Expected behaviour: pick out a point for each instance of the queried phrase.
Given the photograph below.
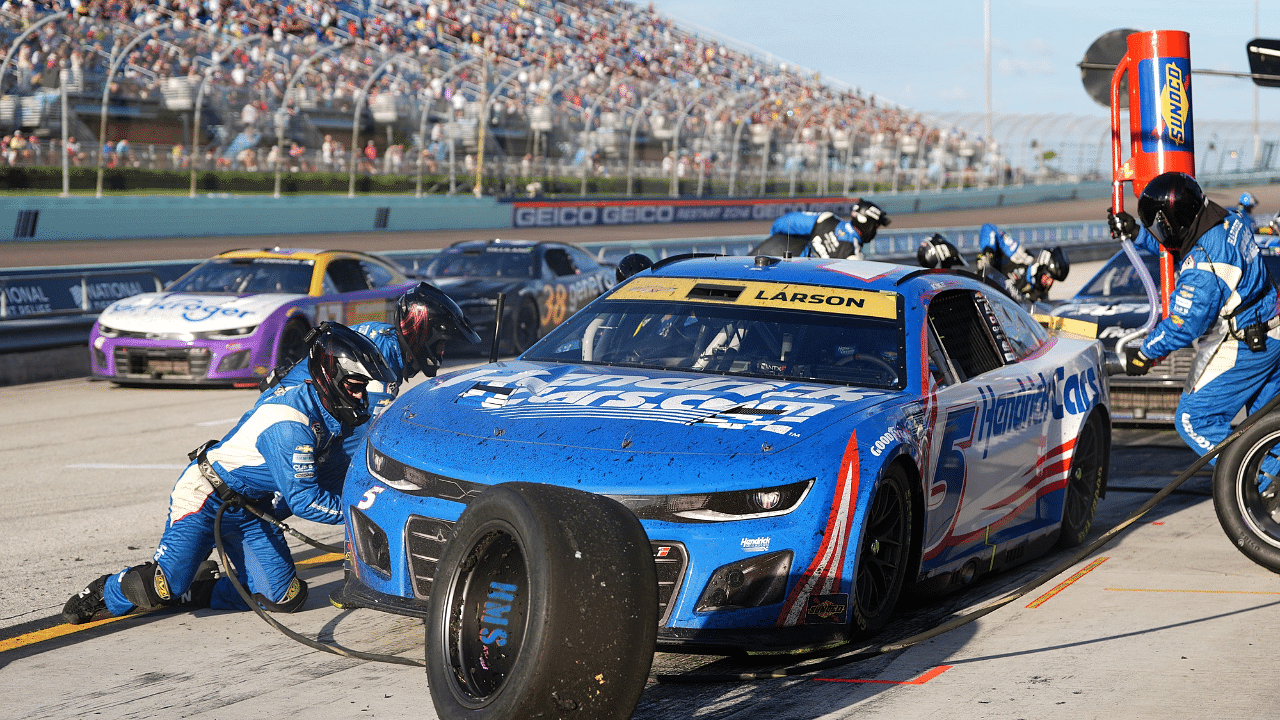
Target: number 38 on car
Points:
(801, 439)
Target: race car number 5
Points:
(370, 495)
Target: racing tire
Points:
(883, 555)
(525, 326)
(1250, 519)
(292, 345)
(1086, 479)
(544, 604)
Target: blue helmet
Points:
(1247, 202)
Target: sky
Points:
(928, 56)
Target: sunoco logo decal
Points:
(1165, 87)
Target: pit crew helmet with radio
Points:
(342, 363)
(1169, 206)
(425, 319)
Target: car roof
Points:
(279, 252)
(464, 245)
(853, 274)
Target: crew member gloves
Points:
(1135, 363)
(1122, 225)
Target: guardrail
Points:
(47, 308)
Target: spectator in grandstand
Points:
(326, 152)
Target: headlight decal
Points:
(412, 481)
(719, 506)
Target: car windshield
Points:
(242, 276)
(731, 340)
(1119, 278)
(508, 262)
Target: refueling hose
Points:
(802, 668)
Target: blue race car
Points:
(801, 440)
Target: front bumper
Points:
(138, 360)
(395, 541)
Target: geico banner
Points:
(644, 212)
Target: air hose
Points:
(867, 653)
(253, 604)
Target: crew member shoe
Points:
(88, 604)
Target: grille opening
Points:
(371, 543)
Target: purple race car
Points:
(232, 318)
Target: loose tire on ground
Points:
(544, 605)
(883, 554)
(1251, 521)
(1085, 480)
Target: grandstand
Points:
(521, 89)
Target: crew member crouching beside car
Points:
(270, 453)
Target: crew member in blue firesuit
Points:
(423, 321)
(1222, 290)
(825, 235)
(1003, 258)
(271, 450)
(1245, 208)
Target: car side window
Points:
(1024, 334)
(376, 275)
(346, 276)
(582, 260)
(965, 333)
(559, 262)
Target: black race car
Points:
(545, 283)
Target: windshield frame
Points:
(181, 284)
(770, 323)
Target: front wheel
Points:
(524, 331)
(1246, 492)
(545, 605)
(882, 559)
(293, 343)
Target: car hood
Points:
(510, 420)
(1115, 317)
(187, 312)
(476, 287)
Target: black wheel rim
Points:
(1082, 480)
(292, 347)
(1260, 510)
(526, 330)
(488, 609)
(884, 550)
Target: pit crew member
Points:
(424, 320)
(1003, 258)
(271, 450)
(1222, 291)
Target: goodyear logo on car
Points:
(784, 296)
(1165, 88)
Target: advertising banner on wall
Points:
(571, 213)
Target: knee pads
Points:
(145, 586)
(292, 601)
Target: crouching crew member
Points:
(272, 450)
